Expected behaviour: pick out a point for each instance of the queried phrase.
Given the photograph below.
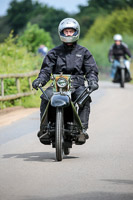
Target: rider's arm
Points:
(110, 54)
(47, 67)
(90, 66)
(127, 52)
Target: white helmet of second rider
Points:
(117, 37)
(69, 23)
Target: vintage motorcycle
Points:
(60, 123)
(122, 74)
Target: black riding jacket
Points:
(116, 51)
(75, 60)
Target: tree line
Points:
(34, 23)
(19, 13)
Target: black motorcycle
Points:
(122, 74)
(60, 123)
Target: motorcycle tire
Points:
(59, 134)
(122, 78)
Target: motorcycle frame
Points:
(61, 99)
(117, 78)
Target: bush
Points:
(16, 59)
(34, 36)
(99, 50)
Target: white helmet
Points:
(117, 37)
(69, 23)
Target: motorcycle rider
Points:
(117, 50)
(69, 58)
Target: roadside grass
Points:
(32, 101)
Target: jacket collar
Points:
(69, 47)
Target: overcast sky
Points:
(68, 5)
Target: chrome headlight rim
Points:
(62, 82)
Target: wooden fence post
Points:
(18, 85)
(30, 83)
(2, 87)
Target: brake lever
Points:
(40, 87)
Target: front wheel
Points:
(122, 78)
(59, 134)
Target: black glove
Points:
(36, 83)
(93, 85)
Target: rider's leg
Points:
(44, 100)
(128, 74)
(43, 107)
(84, 110)
(84, 113)
(127, 63)
(115, 64)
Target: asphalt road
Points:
(101, 169)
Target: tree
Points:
(22, 12)
(50, 23)
(120, 21)
(4, 28)
(34, 36)
(19, 12)
(97, 8)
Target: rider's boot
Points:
(85, 133)
(82, 137)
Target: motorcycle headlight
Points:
(62, 82)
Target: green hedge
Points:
(16, 59)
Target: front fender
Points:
(59, 100)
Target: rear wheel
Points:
(122, 78)
(59, 134)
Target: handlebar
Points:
(90, 91)
(40, 87)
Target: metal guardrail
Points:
(17, 77)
